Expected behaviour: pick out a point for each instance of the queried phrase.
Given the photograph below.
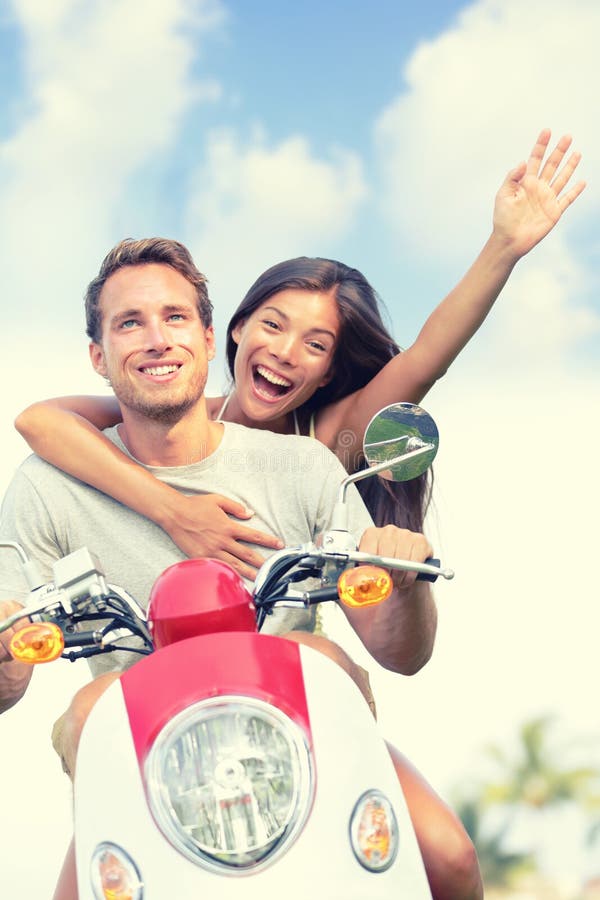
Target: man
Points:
(150, 311)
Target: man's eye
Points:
(176, 317)
(129, 323)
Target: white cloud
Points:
(100, 104)
(542, 318)
(254, 203)
(474, 101)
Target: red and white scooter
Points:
(229, 763)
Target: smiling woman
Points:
(316, 323)
(284, 354)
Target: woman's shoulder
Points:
(335, 423)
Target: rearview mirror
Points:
(404, 435)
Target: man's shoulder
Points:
(34, 468)
(35, 475)
(35, 489)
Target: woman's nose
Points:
(284, 348)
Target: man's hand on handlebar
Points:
(8, 608)
(398, 543)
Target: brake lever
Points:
(36, 609)
(429, 567)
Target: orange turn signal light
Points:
(38, 642)
(364, 586)
(114, 874)
(374, 831)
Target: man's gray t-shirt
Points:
(290, 482)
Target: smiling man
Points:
(153, 345)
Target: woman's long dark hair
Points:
(362, 349)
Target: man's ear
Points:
(209, 334)
(97, 358)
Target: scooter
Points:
(229, 763)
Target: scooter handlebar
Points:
(430, 576)
(430, 570)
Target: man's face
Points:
(154, 349)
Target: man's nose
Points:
(157, 336)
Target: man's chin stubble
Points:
(165, 414)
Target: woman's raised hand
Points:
(535, 194)
(200, 525)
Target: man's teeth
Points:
(160, 370)
(274, 379)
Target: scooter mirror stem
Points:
(30, 569)
(32, 575)
(339, 517)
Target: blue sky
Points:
(378, 134)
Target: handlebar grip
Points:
(425, 576)
(325, 593)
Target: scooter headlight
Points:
(230, 782)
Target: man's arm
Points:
(400, 632)
(24, 520)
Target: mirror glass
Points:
(406, 437)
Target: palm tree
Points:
(533, 779)
(537, 779)
(499, 868)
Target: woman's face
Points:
(285, 351)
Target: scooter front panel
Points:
(349, 754)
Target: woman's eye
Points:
(270, 324)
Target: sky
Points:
(373, 133)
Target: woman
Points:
(309, 352)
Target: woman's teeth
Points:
(272, 378)
(269, 385)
